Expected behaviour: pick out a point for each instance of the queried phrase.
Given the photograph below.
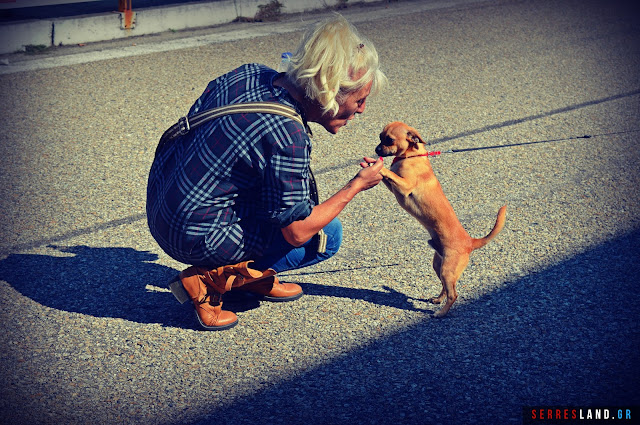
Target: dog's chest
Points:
(416, 200)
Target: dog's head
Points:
(397, 138)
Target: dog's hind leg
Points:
(437, 267)
(450, 271)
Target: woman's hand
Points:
(369, 176)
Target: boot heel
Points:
(178, 291)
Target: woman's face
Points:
(354, 103)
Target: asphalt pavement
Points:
(548, 311)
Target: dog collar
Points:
(397, 158)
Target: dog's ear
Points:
(414, 137)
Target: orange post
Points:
(124, 6)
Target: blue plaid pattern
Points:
(220, 194)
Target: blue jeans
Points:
(282, 256)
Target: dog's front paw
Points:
(385, 173)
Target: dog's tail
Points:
(502, 215)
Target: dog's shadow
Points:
(389, 297)
(127, 283)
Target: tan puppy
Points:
(412, 181)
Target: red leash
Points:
(434, 153)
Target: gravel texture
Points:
(547, 314)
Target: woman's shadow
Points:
(102, 282)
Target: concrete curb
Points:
(354, 15)
(14, 36)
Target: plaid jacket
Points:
(219, 194)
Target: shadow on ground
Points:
(566, 336)
(101, 282)
(112, 282)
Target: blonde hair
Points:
(328, 59)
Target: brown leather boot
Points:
(195, 284)
(241, 277)
(272, 289)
